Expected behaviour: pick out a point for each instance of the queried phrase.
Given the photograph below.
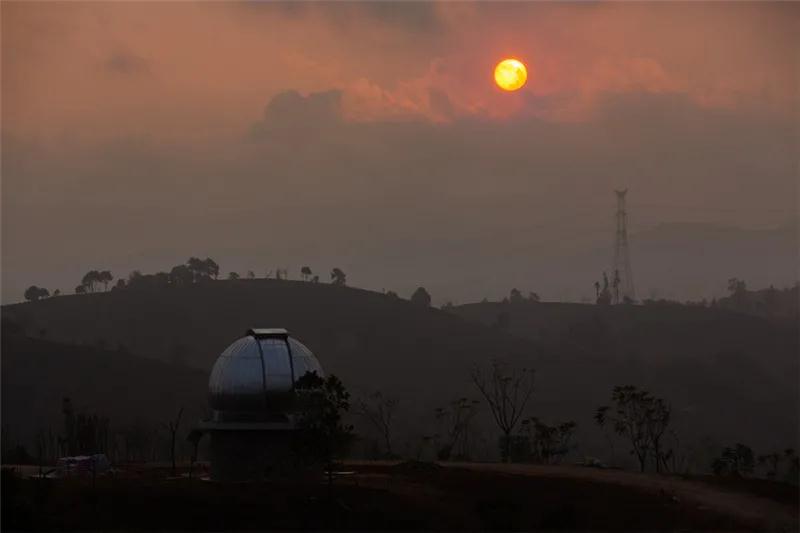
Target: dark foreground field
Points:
(409, 496)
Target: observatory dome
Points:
(254, 377)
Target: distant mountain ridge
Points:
(681, 261)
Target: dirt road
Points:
(747, 508)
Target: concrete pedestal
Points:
(249, 452)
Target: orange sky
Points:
(134, 133)
(200, 71)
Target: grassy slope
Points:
(37, 374)
(730, 377)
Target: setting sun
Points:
(510, 74)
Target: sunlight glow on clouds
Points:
(377, 129)
(143, 67)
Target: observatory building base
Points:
(249, 452)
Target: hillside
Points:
(129, 390)
(372, 341)
(730, 377)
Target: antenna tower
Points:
(621, 269)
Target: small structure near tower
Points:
(621, 269)
(252, 398)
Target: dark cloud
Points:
(126, 63)
(411, 16)
(293, 117)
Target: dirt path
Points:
(747, 508)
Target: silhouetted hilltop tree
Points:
(251, 274)
(737, 287)
(197, 267)
(212, 268)
(202, 269)
(105, 277)
(34, 293)
(119, 285)
(421, 297)
(305, 273)
(768, 303)
(159, 280)
(338, 277)
(57, 292)
(515, 296)
(533, 297)
(507, 392)
(90, 280)
(604, 295)
(80, 289)
(233, 276)
(181, 275)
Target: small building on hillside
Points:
(251, 396)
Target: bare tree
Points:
(173, 430)
(658, 419)
(456, 423)
(379, 411)
(507, 392)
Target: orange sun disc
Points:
(510, 74)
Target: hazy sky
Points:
(370, 136)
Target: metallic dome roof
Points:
(256, 374)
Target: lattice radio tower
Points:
(621, 269)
